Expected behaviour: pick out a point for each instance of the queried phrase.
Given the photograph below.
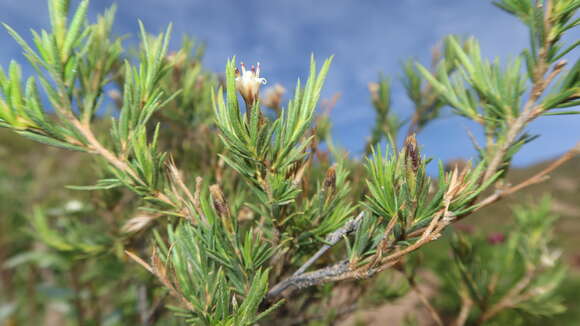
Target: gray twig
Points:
(331, 240)
(300, 279)
(309, 279)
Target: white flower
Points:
(248, 83)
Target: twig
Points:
(510, 298)
(428, 95)
(155, 310)
(500, 194)
(430, 99)
(530, 110)
(331, 240)
(343, 271)
(96, 147)
(316, 277)
(300, 279)
(466, 305)
(537, 178)
(432, 311)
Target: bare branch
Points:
(332, 239)
(323, 275)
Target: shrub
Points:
(240, 214)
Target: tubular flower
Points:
(248, 83)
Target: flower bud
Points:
(219, 202)
(410, 162)
(273, 97)
(330, 180)
(221, 207)
(412, 158)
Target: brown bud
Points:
(245, 214)
(273, 97)
(412, 153)
(330, 180)
(219, 202)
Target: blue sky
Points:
(366, 37)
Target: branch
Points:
(332, 239)
(466, 305)
(432, 311)
(510, 299)
(430, 99)
(537, 178)
(428, 95)
(343, 269)
(529, 112)
(323, 275)
(96, 147)
(300, 279)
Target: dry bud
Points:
(273, 97)
(412, 153)
(219, 202)
(245, 214)
(330, 180)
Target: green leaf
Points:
(75, 28)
